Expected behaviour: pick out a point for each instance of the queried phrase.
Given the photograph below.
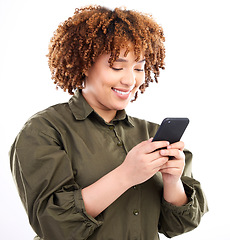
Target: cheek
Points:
(109, 80)
(140, 80)
(97, 84)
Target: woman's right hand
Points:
(140, 164)
(142, 161)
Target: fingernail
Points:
(163, 152)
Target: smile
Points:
(121, 92)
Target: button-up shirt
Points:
(67, 147)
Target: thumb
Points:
(150, 140)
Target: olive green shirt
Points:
(69, 146)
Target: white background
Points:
(194, 84)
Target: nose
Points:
(129, 78)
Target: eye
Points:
(139, 70)
(117, 69)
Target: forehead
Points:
(126, 59)
(122, 55)
(130, 59)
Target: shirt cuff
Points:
(190, 192)
(80, 207)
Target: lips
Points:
(122, 93)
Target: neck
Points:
(108, 116)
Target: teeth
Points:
(120, 92)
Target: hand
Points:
(141, 163)
(173, 169)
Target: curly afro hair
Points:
(95, 30)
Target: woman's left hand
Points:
(173, 169)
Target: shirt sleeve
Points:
(45, 180)
(176, 220)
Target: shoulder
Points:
(48, 122)
(49, 115)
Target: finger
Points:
(142, 146)
(157, 145)
(177, 154)
(159, 162)
(153, 156)
(149, 146)
(177, 145)
(171, 171)
(173, 164)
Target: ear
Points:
(86, 73)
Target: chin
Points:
(121, 106)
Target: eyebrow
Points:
(124, 60)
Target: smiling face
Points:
(109, 89)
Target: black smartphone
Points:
(171, 129)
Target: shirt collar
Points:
(81, 109)
(79, 106)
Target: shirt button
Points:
(111, 127)
(119, 144)
(134, 187)
(135, 212)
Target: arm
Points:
(46, 183)
(176, 219)
(140, 164)
(99, 195)
(174, 192)
(44, 176)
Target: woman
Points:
(86, 170)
